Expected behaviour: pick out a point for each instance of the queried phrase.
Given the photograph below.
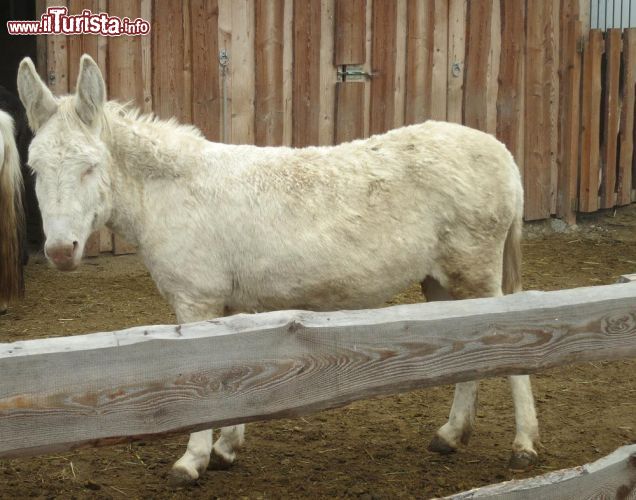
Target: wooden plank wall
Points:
(501, 69)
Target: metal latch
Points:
(352, 73)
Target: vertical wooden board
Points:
(550, 70)
(510, 98)
(146, 58)
(537, 174)
(590, 122)
(81, 44)
(41, 42)
(368, 68)
(186, 111)
(456, 55)
(476, 70)
(124, 58)
(383, 54)
(57, 57)
(225, 74)
(626, 134)
(350, 36)
(242, 68)
(420, 16)
(121, 246)
(306, 78)
(349, 111)
(440, 61)
(400, 65)
(288, 71)
(204, 25)
(269, 105)
(492, 81)
(105, 240)
(168, 64)
(328, 74)
(611, 110)
(568, 173)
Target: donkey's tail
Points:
(11, 213)
(512, 255)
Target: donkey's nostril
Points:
(75, 245)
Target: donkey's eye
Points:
(88, 171)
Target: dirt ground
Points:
(372, 449)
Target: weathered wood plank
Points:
(206, 98)
(57, 57)
(551, 95)
(168, 62)
(269, 106)
(612, 112)
(569, 168)
(306, 77)
(626, 132)
(492, 80)
(225, 74)
(124, 58)
(456, 55)
(613, 476)
(537, 173)
(242, 69)
(349, 111)
(152, 380)
(510, 99)
(420, 17)
(591, 123)
(476, 70)
(399, 92)
(439, 72)
(383, 54)
(288, 72)
(350, 37)
(327, 75)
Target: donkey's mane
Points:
(131, 113)
(114, 110)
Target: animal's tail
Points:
(512, 254)
(11, 213)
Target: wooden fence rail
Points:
(102, 388)
(611, 477)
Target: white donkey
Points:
(226, 228)
(11, 214)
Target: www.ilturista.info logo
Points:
(56, 21)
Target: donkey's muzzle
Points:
(62, 256)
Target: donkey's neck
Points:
(149, 158)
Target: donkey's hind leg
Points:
(229, 442)
(527, 435)
(462, 415)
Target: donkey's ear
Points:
(91, 91)
(37, 99)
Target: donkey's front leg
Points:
(196, 458)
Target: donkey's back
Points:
(350, 225)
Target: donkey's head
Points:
(69, 159)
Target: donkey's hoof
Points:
(440, 445)
(221, 459)
(522, 460)
(181, 475)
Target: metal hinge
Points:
(352, 72)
